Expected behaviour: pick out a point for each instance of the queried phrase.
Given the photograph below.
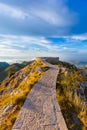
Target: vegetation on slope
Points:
(14, 90)
(72, 96)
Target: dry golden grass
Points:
(17, 96)
(70, 102)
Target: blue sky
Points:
(30, 28)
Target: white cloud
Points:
(51, 12)
(26, 42)
(73, 38)
(80, 37)
(12, 11)
(25, 47)
(54, 12)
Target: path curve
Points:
(41, 110)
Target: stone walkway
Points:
(40, 110)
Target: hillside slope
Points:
(72, 95)
(14, 89)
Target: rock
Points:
(82, 85)
(83, 73)
(63, 69)
(39, 69)
(8, 108)
(66, 73)
(76, 120)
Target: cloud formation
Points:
(10, 11)
(47, 18)
(27, 47)
(30, 28)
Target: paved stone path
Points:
(40, 110)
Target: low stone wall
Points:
(53, 60)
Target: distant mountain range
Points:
(3, 65)
(79, 63)
(7, 69)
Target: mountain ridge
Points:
(70, 79)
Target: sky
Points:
(32, 28)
